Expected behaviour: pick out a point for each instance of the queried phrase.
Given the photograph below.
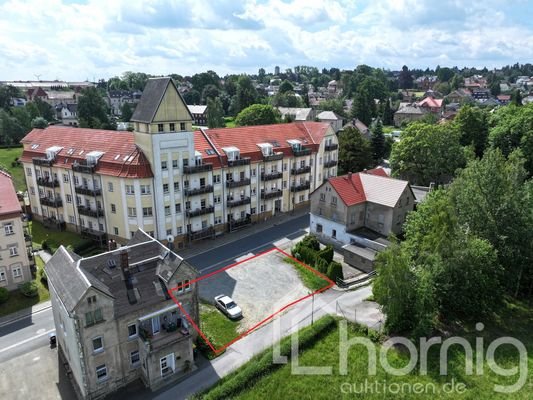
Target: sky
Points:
(93, 39)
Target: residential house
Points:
(504, 99)
(14, 238)
(166, 178)
(360, 126)
(459, 96)
(115, 320)
(67, 113)
(409, 113)
(116, 99)
(432, 105)
(481, 94)
(426, 82)
(297, 114)
(199, 114)
(332, 118)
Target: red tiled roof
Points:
(349, 188)
(121, 156)
(9, 202)
(246, 138)
(379, 171)
(430, 102)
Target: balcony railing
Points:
(235, 202)
(239, 223)
(271, 176)
(47, 162)
(242, 182)
(99, 236)
(302, 151)
(301, 170)
(171, 330)
(300, 187)
(48, 182)
(200, 211)
(83, 210)
(201, 234)
(271, 195)
(54, 223)
(193, 169)
(330, 163)
(331, 147)
(83, 167)
(201, 190)
(51, 202)
(273, 157)
(239, 161)
(87, 191)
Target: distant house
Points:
(481, 94)
(426, 82)
(409, 113)
(297, 114)
(360, 126)
(199, 114)
(504, 98)
(67, 113)
(459, 96)
(431, 104)
(116, 99)
(334, 119)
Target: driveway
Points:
(260, 286)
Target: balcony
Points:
(330, 163)
(87, 191)
(51, 202)
(271, 195)
(300, 187)
(54, 223)
(88, 211)
(239, 161)
(273, 157)
(48, 182)
(200, 211)
(301, 170)
(234, 224)
(43, 161)
(84, 167)
(235, 202)
(171, 330)
(194, 169)
(27, 240)
(97, 236)
(208, 232)
(331, 147)
(242, 182)
(201, 190)
(302, 151)
(271, 176)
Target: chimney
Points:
(349, 176)
(124, 260)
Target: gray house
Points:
(115, 320)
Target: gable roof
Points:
(197, 109)
(9, 202)
(329, 115)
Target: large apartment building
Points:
(170, 180)
(14, 238)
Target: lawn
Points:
(7, 156)
(17, 301)
(311, 280)
(216, 326)
(516, 320)
(55, 238)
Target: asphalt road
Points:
(224, 255)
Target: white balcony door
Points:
(167, 364)
(156, 325)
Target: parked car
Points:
(228, 306)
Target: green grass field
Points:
(515, 320)
(7, 156)
(216, 325)
(311, 280)
(53, 238)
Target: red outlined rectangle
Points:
(271, 316)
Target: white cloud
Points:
(102, 38)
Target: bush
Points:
(311, 242)
(308, 256)
(326, 253)
(29, 289)
(335, 271)
(85, 245)
(321, 265)
(45, 246)
(4, 295)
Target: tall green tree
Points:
(405, 79)
(92, 110)
(355, 152)
(472, 125)
(126, 111)
(286, 86)
(363, 107)
(39, 123)
(246, 94)
(378, 142)
(516, 98)
(215, 113)
(257, 114)
(388, 113)
(8, 92)
(335, 105)
(45, 110)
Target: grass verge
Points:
(7, 157)
(218, 328)
(311, 280)
(54, 239)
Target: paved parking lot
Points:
(260, 286)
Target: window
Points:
(32, 190)
(216, 178)
(91, 299)
(89, 320)
(284, 184)
(69, 198)
(284, 166)
(113, 208)
(301, 198)
(110, 186)
(254, 172)
(187, 285)
(254, 191)
(132, 331)
(65, 178)
(2, 275)
(28, 171)
(333, 200)
(322, 196)
(182, 126)
(9, 229)
(218, 220)
(172, 127)
(71, 219)
(167, 211)
(319, 228)
(134, 357)
(98, 315)
(98, 344)
(169, 232)
(115, 230)
(175, 164)
(176, 186)
(334, 233)
(164, 165)
(130, 189)
(165, 188)
(132, 212)
(160, 127)
(13, 251)
(147, 211)
(262, 208)
(145, 189)
(179, 230)
(178, 208)
(17, 272)
(101, 372)
(217, 199)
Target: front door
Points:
(277, 206)
(167, 364)
(156, 325)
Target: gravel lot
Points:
(260, 286)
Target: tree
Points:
(445, 74)
(7, 93)
(246, 94)
(456, 82)
(126, 111)
(11, 130)
(363, 107)
(427, 153)
(92, 110)
(257, 114)
(378, 142)
(39, 123)
(443, 87)
(472, 125)
(45, 109)
(201, 80)
(192, 97)
(405, 79)
(388, 114)
(516, 97)
(215, 113)
(335, 105)
(209, 91)
(355, 152)
(285, 87)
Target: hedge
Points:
(321, 265)
(335, 271)
(326, 253)
(311, 242)
(4, 295)
(29, 289)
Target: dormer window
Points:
(232, 152)
(93, 157)
(295, 144)
(51, 152)
(197, 158)
(266, 148)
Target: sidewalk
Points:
(204, 245)
(25, 312)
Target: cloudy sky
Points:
(91, 39)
